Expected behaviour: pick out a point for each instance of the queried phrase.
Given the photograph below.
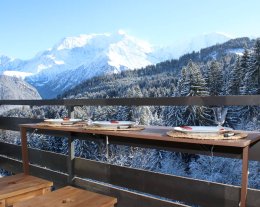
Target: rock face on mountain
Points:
(12, 88)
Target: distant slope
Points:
(12, 88)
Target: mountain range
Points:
(75, 59)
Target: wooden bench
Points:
(69, 197)
(21, 187)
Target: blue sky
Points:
(30, 26)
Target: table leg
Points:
(244, 181)
(71, 157)
(24, 151)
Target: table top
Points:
(153, 133)
(69, 197)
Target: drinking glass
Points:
(137, 115)
(220, 114)
(89, 115)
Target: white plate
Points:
(201, 129)
(61, 121)
(111, 124)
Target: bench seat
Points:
(21, 187)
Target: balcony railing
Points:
(132, 187)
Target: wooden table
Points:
(148, 134)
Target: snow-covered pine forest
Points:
(212, 71)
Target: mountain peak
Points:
(76, 41)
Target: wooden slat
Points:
(250, 100)
(176, 147)
(150, 133)
(180, 147)
(19, 184)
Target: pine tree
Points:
(244, 65)
(253, 72)
(191, 84)
(215, 79)
(235, 78)
(257, 63)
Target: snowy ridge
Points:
(182, 47)
(75, 59)
(72, 42)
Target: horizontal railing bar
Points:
(15, 166)
(249, 100)
(168, 186)
(11, 165)
(125, 198)
(43, 158)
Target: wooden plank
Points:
(156, 133)
(176, 147)
(70, 197)
(19, 184)
(199, 149)
(25, 196)
(245, 100)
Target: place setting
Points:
(209, 132)
(64, 122)
(116, 125)
(113, 125)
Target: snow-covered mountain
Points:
(7, 63)
(179, 48)
(75, 59)
(13, 88)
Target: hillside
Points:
(12, 88)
